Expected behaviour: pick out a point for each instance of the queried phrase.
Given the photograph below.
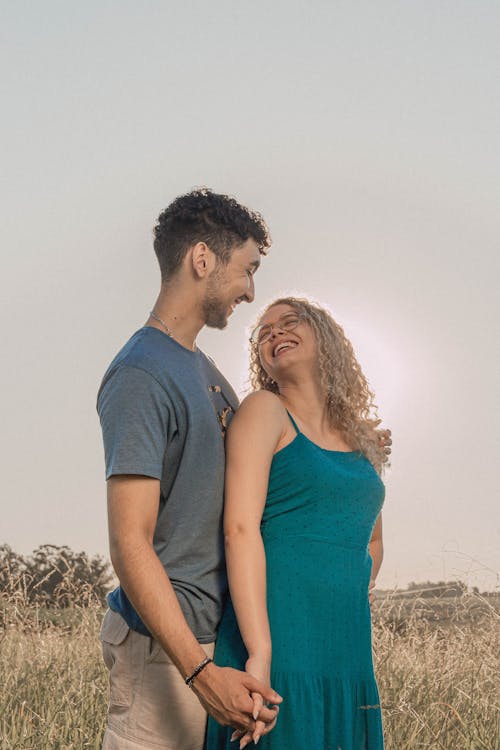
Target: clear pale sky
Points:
(366, 133)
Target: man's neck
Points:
(179, 314)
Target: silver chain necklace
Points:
(165, 326)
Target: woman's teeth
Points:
(282, 346)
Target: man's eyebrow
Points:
(255, 264)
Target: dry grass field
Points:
(436, 661)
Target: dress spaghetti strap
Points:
(292, 420)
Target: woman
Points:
(303, 535)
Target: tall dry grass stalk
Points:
(436, 661)
(53, 685)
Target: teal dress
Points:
(318, 519)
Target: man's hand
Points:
(385, 440)
(226, 694)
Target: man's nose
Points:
(250, 293)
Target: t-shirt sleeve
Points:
(135, 413)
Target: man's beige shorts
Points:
(150, 706)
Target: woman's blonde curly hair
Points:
(349, 400)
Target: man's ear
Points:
(202, 260)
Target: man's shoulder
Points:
(146, 348)
(150, 350)
(144, 355)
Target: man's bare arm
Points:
(225, 693)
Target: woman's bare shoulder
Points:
(260, 406)
(260, 401)
(260, 420)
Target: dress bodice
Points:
(340, 492)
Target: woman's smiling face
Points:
(286, 345)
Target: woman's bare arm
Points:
(376, 547)
(376, 550)
(252, 438)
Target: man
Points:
(164, 407)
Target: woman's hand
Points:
(385, 440)
(371, 595)
(259, 667)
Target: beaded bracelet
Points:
(189, 680)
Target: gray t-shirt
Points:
(163, 412)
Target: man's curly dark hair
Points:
(204, 216)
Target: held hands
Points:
(259, 667)
(232, 698)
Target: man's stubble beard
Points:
(215, 310)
